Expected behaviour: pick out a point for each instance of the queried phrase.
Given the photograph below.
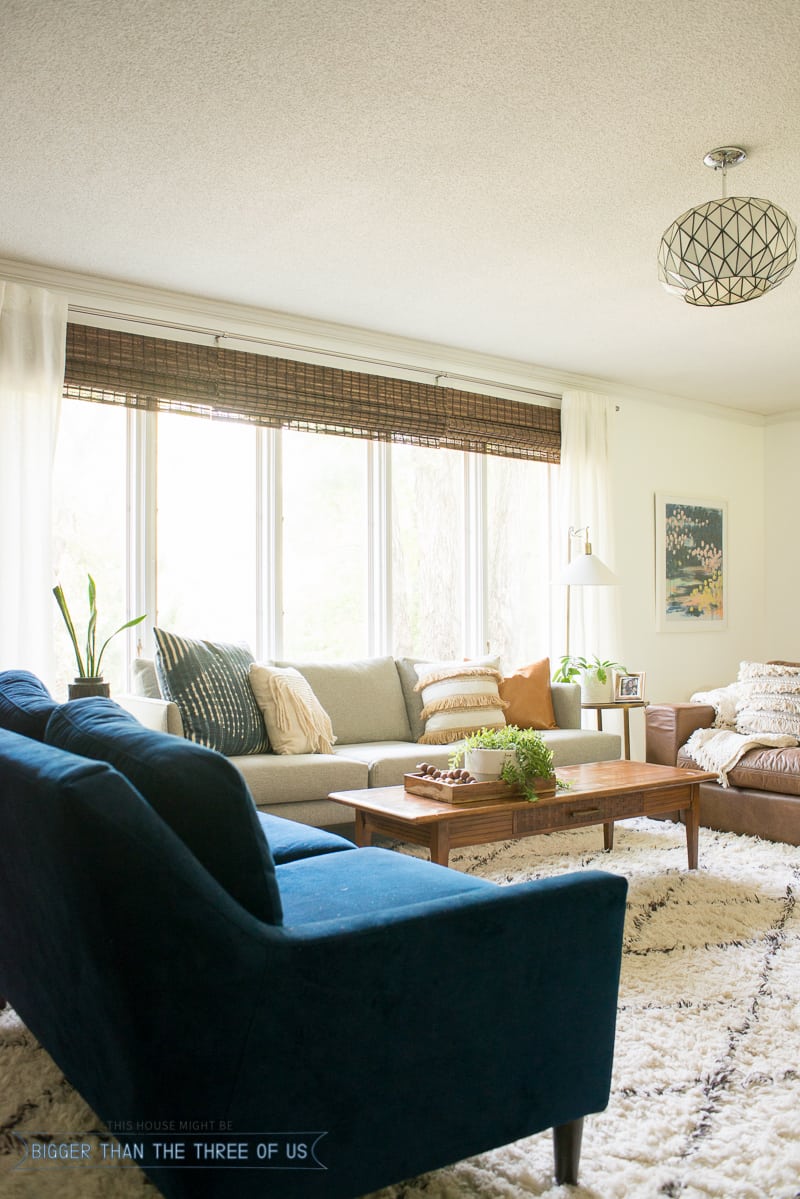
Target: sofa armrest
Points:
(669, 726)
(161, 715)
(566, 704)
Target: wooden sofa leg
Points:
(567, 1151)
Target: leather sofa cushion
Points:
(196, 791)
(762, 769)
(25, 703)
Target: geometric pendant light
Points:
(729, 250)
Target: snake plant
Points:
(90, 662)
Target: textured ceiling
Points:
(487, 174)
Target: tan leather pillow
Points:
(530, 703)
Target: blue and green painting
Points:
(694, 562)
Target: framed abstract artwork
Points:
(691, 564)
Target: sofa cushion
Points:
(296, 721)
(768, 698)
(388, 761)
(407, 672)
(459, 698)
(527, 692)
(208, 682)
(363, 698)
(289, 840)
(341, 885)
(25, 703)
(197, 792)
(761, 769)
(144, 680)
(572, 746)
(278, 779)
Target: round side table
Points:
(624, 706)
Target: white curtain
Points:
(33, 326)
(585, 499)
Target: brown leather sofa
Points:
(763, 799)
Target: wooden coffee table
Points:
(600, 793)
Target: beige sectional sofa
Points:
(376, 717)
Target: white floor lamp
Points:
(586, 570)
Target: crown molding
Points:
(116, 303)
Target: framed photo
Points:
(628, 687)
(691, 564)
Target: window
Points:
(89, 534)
(428, 533)
(206, 532)
(518, 560)
(325, 546)
(301, 544)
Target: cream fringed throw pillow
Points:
(768, 698)
(458, 700)
(296, 721)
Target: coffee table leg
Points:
(363, 833)
(608, 835)
(691, 816)
(440, 844)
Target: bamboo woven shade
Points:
(113, 367)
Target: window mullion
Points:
(476, 583)
(269, 544)
(141, 485)
(379, 574)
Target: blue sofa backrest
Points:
(196, 791)
(25, 703)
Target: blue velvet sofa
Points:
(352, 1016)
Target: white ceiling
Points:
(487, 174)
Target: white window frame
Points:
(142, 506)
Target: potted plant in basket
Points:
(519, 757)
(90, 679)
(593, 675)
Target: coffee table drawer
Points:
(575, 811)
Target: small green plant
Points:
(89, 666)
(571, 667)
(504, 738)
(532, 760)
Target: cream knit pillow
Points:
(295, 719)
(458, 699)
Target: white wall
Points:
(782, 543)
(659, 448)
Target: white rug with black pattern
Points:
(706, 1091)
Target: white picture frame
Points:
(628, 687)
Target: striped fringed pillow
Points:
(209, 682)
(768, 698)
(458, 700)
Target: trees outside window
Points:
(300, 544)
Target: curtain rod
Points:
(220, 334)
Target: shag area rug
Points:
(706, 1089)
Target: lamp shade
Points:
(727, 251)
(587, 570)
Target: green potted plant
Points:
(485, 752)
(593, 674)
(519, 757)
(90, 678)
(531, 768)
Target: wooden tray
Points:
(458, 793)
(467, 793)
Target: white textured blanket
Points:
(720, 749)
